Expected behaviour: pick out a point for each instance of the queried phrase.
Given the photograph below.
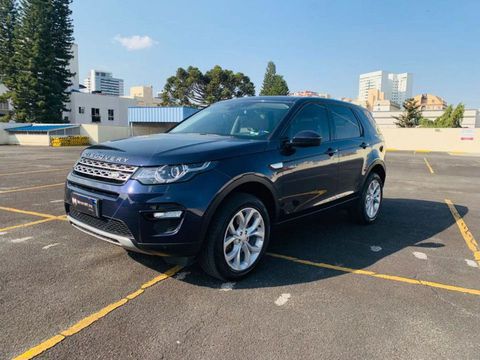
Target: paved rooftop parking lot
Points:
(407, 287)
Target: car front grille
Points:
(111, 226)
(105, 171)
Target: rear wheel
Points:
(237, 238)
(367, 208)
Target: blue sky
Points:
(317, 45)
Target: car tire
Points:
(228, 237)
(367, 208)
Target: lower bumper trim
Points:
(114, 239)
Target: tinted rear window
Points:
(345, 122)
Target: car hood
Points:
(161, 149)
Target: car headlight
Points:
(169, 173)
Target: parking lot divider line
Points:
(89, 320)
(33, 172)
(31, 188)
(379, 276)
(34, 213)
(466, 234)
(429, 166)
(26, 224)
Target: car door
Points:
(308, 175)
(352, 148)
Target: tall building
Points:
(430, 102)
(396, 87)
(144, 96)
(103, 82)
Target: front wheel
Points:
(367, 208)
(237, 238)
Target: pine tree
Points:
(8, 20)
(273, 84)
(43, 42)
(411, 116)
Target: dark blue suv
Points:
(213, 186)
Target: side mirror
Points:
(306, 138)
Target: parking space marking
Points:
(27, 212)
(227, 286)
(33, 171)
(27, 224)
(467, 235)
(49, 246)
(31, 188)
(56, 201)
(429, 166)
(17, 241)
(420, 255)
(379, 276)
(89, 320)
(283, 299)
(471, 263)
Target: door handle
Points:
(331, 151)
(364, 145)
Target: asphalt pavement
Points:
(407, 287)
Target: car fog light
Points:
(167, 214)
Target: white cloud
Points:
(135, 42)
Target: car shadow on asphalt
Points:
(333, 238)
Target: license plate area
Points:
(86, 204)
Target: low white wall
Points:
(448, 140)
(3, 134)
(102, 133)
(29, 139)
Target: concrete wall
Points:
(449, 140)
(385, 119)
(102, 133)
(148, 129)
(29, 139)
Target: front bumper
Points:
(126, 213)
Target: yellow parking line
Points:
(31, 188)
(27, 224)
(33, 172)
(34, 213)
(467, 235)
(380, 276)
(428, 166)
(89, 320)
(423, 151)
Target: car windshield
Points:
(248, 119)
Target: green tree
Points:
(273, 84)
(8, 21)
(411, 115)
(451, 118)
(43, 42)
(190, 87)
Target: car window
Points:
(371, 120)
(248, 119)
(345, 122)
(310, 117)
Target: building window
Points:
(111, 115)
(96, 115)
(81, 110)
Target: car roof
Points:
(293, 99)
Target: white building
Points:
(73, 66)
(86, 108)
(386, 119)
(104, 82)
(396, 87)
